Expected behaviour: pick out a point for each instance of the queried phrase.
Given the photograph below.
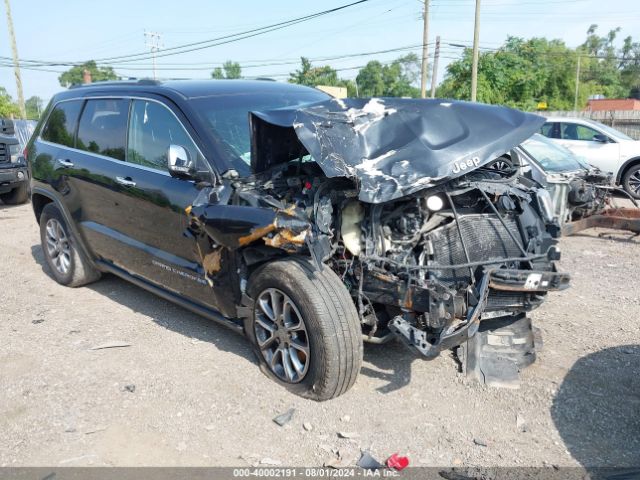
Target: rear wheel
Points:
(631, 181)
(18, 195)
(67, 264)
(304, 328)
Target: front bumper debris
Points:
(614, 218)
(497, 279)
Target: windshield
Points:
(611, 131)
(227, 118)
(551, 156)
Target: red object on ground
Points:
(397, 462)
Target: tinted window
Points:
(547, 129)
(573, 131)
(61, 125)
(152, 129)
(103, 127)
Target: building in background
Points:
(610, 104)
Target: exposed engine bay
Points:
(425, 263)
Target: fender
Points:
(624, 167)
(75, 234)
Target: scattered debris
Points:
(285, 417)
(397, 462)
(368, 462)
(521, 423)
(348, 435)
(114, 344)
(480, 442)
(37, 320)
(307, 426)
(97, 429)
(129, 388)
(270, 461)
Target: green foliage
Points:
(74, 75)
(230, 70)
(7, 106)
(393, 80)
(524, 72)
(33, 105)
(312, 76)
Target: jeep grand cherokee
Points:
(311, 224)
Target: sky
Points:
(73, 30)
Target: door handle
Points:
(65, 163)
(127, 182)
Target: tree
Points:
(75, 75)
(394, 80)
(230, 70)
(33, 106)
(314, 76)
(7, 106)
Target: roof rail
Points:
(130, 81)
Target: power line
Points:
(204, 44)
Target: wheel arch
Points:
(40, 198)
(626, 166)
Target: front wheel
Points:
(631, 181)
(304, 328)
(18, 195)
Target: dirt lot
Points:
(188, 392)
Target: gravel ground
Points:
(188, 392)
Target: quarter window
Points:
(103, 127)
(574, 131)
(61, 125)
(152, 128)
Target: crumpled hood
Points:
(393, 147)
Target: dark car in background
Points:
(14, 181)
(311, 224)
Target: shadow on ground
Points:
(390, 362)
(163, 312)
(597, 409)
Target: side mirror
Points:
(600, 138)
(178, 162)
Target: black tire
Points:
(631, 181)
(79, 271)
(333, 332)
(17, 196)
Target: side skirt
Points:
(235, 325)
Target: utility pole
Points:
(575, 101)
(16, 62)
(474, 65)
(434, 75)
(152, 40)
(425, 39)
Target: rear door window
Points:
(103, 127)
(152, 128)
(61, 125)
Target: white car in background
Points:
(604, 147)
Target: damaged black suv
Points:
(311, 224)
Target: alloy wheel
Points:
(634, 182)
(282, 335)
(58, 247)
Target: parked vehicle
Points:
(14, 181)
(601, 146)
(308, 223)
